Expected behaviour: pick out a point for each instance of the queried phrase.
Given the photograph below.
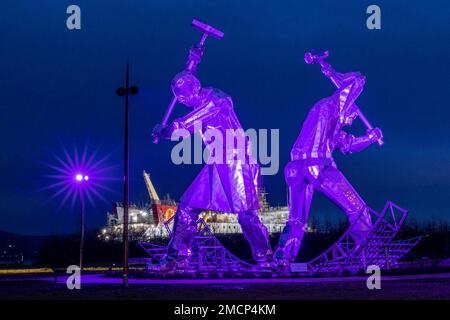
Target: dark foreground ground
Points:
(436, 287)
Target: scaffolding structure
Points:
(379, 248)
(208, 254)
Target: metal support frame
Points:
(208, 254)
(379, 248)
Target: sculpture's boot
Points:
(166, 265)
(266, 263)
(169, 265)
(282, 266)
(288, 245)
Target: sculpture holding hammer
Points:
(221, 186)
(312, 166)
(195, 55)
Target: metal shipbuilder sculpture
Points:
(312, 166)
(229, 183)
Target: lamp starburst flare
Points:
(79, 176)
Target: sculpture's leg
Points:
(300, 197)
(335, 186)
(184, 227)
(256, 234)
(179, 249)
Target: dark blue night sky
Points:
(58, 87)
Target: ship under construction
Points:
(147, 222)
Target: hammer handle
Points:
(166, 116)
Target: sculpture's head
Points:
(186, 87)
(352, 86)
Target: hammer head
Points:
(315, 56)
(207, 29)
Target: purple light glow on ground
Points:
(102, 279)
(100, 286)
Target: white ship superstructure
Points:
(147, 222)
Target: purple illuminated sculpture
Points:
(222, 186)
(312, 166)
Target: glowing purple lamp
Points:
(79, 177)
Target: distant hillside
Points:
(4, 234)
(29, 246)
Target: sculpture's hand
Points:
(195, 54)
(375, 134)
(160, 131)
(327, 70)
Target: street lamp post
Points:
(82, 215)
(125, 92)
(80, 179)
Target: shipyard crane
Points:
(151, 189)
(162, 210)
